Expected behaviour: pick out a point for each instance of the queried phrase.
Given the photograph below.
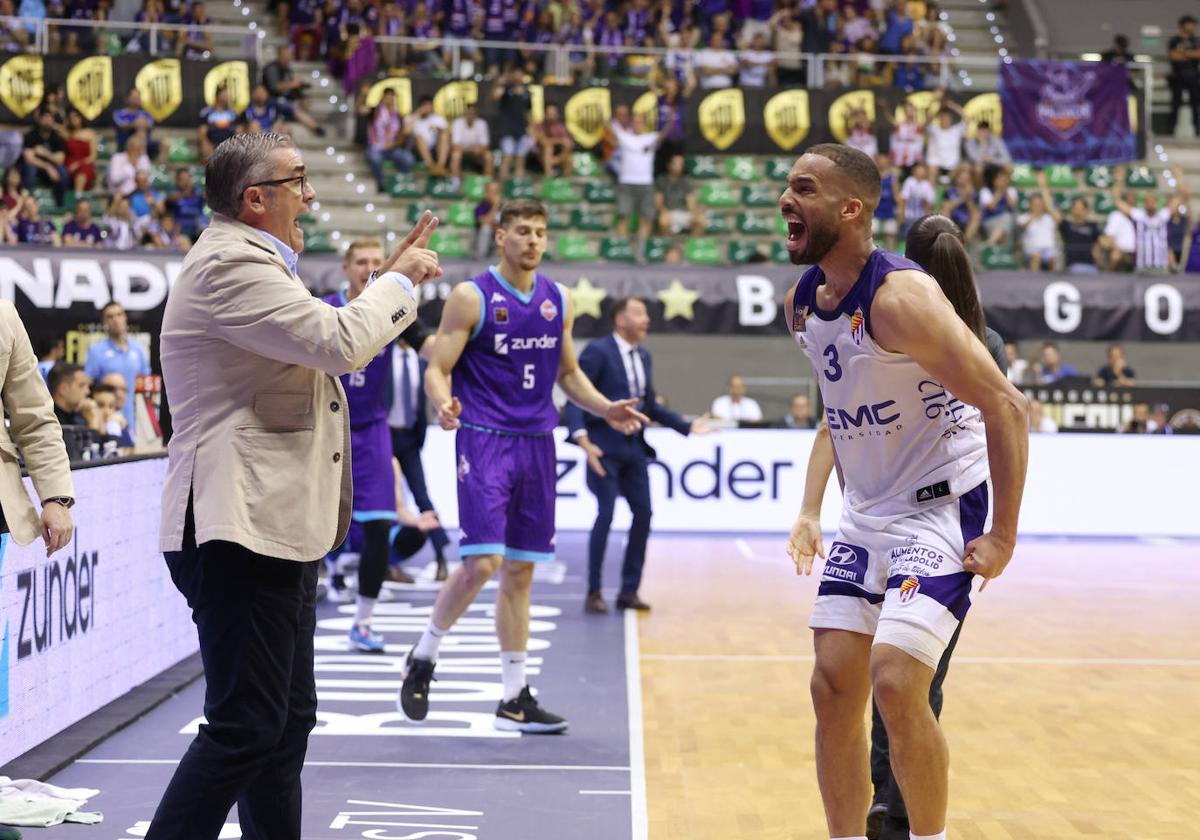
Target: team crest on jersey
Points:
(799, 316)
(856, 325)
(500, 314)
(549, 310)
(909, 589)
(464, 467)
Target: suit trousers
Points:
(884, 780)
(255, 616)
(626, 476)
(406, 446)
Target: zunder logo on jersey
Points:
(501, 344)
(856, 325)
(909, 589)
(549, 310)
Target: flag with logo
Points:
(1071, 112)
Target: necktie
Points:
(406, 396)
(637, 381)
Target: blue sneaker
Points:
(364, 639)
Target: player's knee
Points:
(898, 681)
(830, 687)
(482, 566)
(516, 575)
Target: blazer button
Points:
(333, 406)
(337, 456)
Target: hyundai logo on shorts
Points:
(842, 554)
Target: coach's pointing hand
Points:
(412, 256)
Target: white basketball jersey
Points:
(903, 441)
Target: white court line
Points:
(744, 549)
(606, 792)
(958, 660)
(390, 765)
(637, 748)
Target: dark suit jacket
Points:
(601, 361)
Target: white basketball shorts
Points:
(901, 580)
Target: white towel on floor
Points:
(28, 802)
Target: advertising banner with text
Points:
(57, 290)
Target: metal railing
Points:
(249, 39)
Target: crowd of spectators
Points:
(734, 41)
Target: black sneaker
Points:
(875, 819)
(413, 701)
(523, 714)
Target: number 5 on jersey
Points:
(528, 380)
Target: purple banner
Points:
(1070, 112)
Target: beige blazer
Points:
(33, 427)
(250, 362)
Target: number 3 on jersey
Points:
(834, 372)
(527, 381)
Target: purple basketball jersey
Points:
(368, 391)
(506, 374)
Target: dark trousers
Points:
(255, 616)
(626, 476)
(1181, 85)
(406, 446)
(884, 780)
(33, 176)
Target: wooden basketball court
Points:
(1072, 704)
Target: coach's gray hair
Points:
(235, 164)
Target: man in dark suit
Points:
(620, 368)
(408, 422)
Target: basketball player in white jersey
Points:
(930, 442)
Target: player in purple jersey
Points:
(504, 341)
(912, 398)
(368, 401)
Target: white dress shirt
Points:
(402, 357)
(724, 408)
(635, 372)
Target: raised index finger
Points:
(416, 231)
(422, 239)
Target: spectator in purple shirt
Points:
(32, 229)
(196, 43)
(81, 231)
(133, 117)
(261, 114)
(672, 104)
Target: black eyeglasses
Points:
(278, 182)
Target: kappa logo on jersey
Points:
(857, 320)
(464, 468)
(549, 310)
(501, 344)
(846, 562)
(497, 297)
(500, 314)
(909, 589)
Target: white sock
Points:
(941, 835)
(856, 837)
(512, 672)
(364, 611)
(427, 646)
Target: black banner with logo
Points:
(1077, 405)
(726, 121)
(173, 91)
(56, 290)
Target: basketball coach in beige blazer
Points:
(33, 427)
(258, 485)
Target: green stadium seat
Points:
(45, 200)
(1140, 178)
(559, 191)
(405, 186)
(779, 225)
(105, 148)
(1023, 200)
(599, 192)
(778, 169)
(616, 249)
(999, 258)
(1099, 177)
(450, 243)
(753, 224)
(474, 186)
(741, 252)
(702, 251)
(656, 249)
(1061, 177)
(317, 242)
(702, 166)
(779, 254)
(415, 210)
(559, 219)
(586, 218)
(444, 188)
(1062, 200)
(180, 151)
(1024, 175)
(741, 168)
(761, 195)
(461, 214)
(718, 224)
(719, 195)
(519, 188)
(575, 247)
(584, 165)
(1104, 203)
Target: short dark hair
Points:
(109, 306)
(103, 388)
(1186, 19)
(47, 343)
(521, 208)
(857, 167)
(60, 373)
(622, 304)
(1046, 344)
(424, 98)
